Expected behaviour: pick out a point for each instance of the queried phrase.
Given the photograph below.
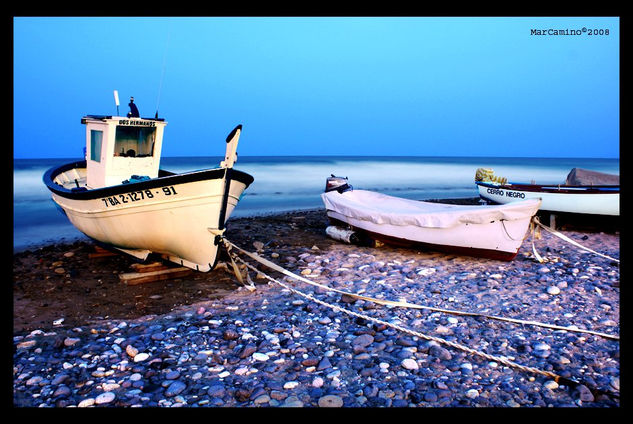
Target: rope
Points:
(407, 304)
(571, 383)
(535, 232)
(506, 230)
(487, 175)
(573, 242)
(407, 330)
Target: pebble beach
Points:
(274, 347)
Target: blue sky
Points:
(436, 86)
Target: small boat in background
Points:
(119, 197)
(584, 192)
(495, 232)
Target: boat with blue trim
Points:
(583, 192)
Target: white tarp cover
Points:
(383, 209)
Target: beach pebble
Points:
(172, 375)
(440, 352)
(426, 271)
(260, 356)
(216, 390)
(141, 357)
(175, 388)
(553, 290)
(324, 364)
(59, 379)
(291, 385)
(409, 364)
(583, 393)
(440, 329)
(62, 391)
(86, 403)
(292, 402)
(106, 397)
(362, 341)
(70, 341)
(542, 346)
(230, 334)
(34, 381)
(26, 345)
(108, 387)
(472, 393)
(131, 350)
(330, 401)
(261, 399)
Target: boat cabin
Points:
(122, 149)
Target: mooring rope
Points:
(405, 304)
(571, 383)
(568, 240)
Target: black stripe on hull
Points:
(164, 178)
(553, 188)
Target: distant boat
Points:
(495, 232)
(584, 192)
(119, 196)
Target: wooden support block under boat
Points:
(133, 278)
(100, 252)
(154, 266)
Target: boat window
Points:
(134, 141)
(96, 138)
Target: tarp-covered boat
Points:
(478, 230)
(119, 197)
(583, 192)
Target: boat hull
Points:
(596, 200)
(497, 238)
(176, 215)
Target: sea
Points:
(291, 183)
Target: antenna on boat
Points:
(162, 72)
(116, 101)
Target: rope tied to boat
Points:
(535, 223)
(404, 304)
(571, 383)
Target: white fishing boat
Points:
(495, 232)
(583, 192)
(120, 197)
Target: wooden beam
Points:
(154, 266)
(100, 252)
(552, 221)
(133, 278)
